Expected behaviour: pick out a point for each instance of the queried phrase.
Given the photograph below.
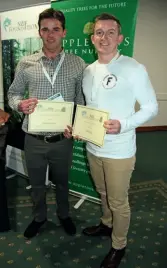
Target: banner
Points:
(19, 34)
(1, 78)
(15, 160)
(79, 21)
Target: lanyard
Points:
(52, 81)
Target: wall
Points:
(150, 49)
(150, 44)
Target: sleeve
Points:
(17, 89)
(145, 96)
(79, 97)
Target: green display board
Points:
(79, 18)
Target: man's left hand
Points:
(68, 132)
(112, 126)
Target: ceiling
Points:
(6, 5)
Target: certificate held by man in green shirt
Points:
(51, 116)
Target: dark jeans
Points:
(58, 155)
(4, 219)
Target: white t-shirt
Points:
(116, 87)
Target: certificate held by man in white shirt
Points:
(88, 124)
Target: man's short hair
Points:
(52, 13)
(107, 16)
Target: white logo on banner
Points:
(21, 22)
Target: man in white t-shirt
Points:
(115, 83)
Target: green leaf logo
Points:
(7, 22)
(88, 28)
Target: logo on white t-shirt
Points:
(109, 81)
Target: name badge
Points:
(109, 81)
(56, 97)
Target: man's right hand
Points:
(3, 117)
(27, 106)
